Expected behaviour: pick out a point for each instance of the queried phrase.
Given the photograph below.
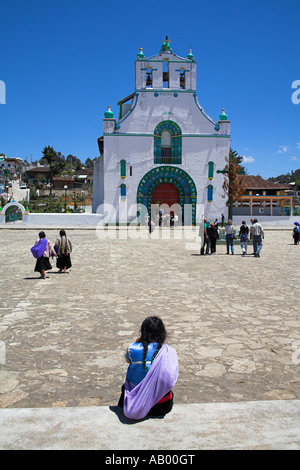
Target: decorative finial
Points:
(190, 55)
(108, 114)
(223, 116)
(166, 45)
(141, 54)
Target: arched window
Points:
(167, 143)
(210, 191)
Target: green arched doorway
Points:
(171, 176)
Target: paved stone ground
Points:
(233, 320)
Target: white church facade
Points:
(163, 150)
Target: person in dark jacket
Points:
(213, 235)
(243, 234)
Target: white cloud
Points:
(248, 159)
(298, 145)
(283, 149)
(293, 159)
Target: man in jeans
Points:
(257, 233)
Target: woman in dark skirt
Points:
(42, 263)
(63, 248)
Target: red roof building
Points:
(263, 197)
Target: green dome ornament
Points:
(166, 45)
(190, 55)
(141, 54)
(223, 116)
(108, 114)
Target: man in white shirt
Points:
(257, 235)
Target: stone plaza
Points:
(233, 320)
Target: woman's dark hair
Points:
(152, 331)
(42, 235)
(62, 233)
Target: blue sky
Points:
(64, 61)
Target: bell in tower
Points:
(149, 79)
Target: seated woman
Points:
(152, 373)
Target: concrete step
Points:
(212, 426)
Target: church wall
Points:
(149, 110)
(98, 184)
(198, 152)
(138, 154)
(135, 151)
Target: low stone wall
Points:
(62, 220)
(267, 220)
(41, 220)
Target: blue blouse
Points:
(134, 355)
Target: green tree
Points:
(236, 159)
(55, 160)
(49, 156)
(74, 162)
(234, 181)
(89, 163)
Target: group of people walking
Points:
(43, 249)
(211, 236)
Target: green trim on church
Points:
(185, 185)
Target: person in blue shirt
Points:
(140, 355)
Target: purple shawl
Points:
(158, 381)
(38, 249)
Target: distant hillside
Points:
(288, 178)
